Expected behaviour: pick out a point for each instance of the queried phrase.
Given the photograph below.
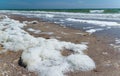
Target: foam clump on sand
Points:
(30, 22)
(39, 31)
(33, 30)
(43, 55)
(116, 45)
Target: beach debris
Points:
(34, 22)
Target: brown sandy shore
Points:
(106, 59)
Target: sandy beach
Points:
(105, 57)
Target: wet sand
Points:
(106, 59)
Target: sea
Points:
(100, 22)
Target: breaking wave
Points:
(96, 11)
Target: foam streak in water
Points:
(95, 22)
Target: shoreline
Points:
(98, 50)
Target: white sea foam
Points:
(90, 31)
(39, 31)
(30, 22)
(43, 55)
(49, 15)
(88, 27)
(95, 22)
(116, 45)
(33, 30)
(49, 33)
(115, 16)
(96, 11)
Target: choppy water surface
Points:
(95, 21)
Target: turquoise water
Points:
(74, 10)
